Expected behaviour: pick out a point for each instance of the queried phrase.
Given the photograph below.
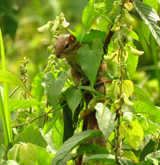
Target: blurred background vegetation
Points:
(19, 21)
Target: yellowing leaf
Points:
(133, 133)
(127, 87)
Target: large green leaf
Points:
(90, 60)
(28, 154)
(89, 37)
(37, 88)
(133, 133)
(17, 104)
(149, 147)
(10, 78)
(53, 86)
(43, 156)
(152, 111)
(72, 142)
(140, 95)
(106, 119)
(110, 159)
(91, 149)
(31, 135)
(88, 15)
(73, 97)
(151, 3)
(13, 153)
(102, 157)
(57, 134)
(150, 17)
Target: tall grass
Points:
(4, 102)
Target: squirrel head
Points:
(65, 45)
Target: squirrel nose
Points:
(57, 55)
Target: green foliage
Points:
(8, 18)
(105, 119)
(53, 86)
(91, 62)
(73, 142)
(150, 17)
(48, 128)
(73, 97)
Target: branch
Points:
(107, 40)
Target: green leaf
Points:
(130, 155)
(26, 134)
(152, 111)
(155, 155)
(131, 61)
(132, 34)
(43, 156)
(28, 154)
(53, 86)
(148, 148)
(37, 88)
(66, 159)
(13, 153)
(146, 32)
(140, 95)
(145, 142)
(2, 151)
(150, 17)
(153, 4)
(57, 134)
(151, 161)
(17, 104)
(106, 119)
(10, 78)
(4, 103)
(90, 60)
(89, 37)
(102, 157)
(91, 149)
(73, 97)
(88, 15)
(67, 120)
(109, 5)
(133, 133)
(74, 141)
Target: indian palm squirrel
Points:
(67, 47)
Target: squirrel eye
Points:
(67, 45)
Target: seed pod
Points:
(43, 28)
(135, 51)
(127, 17)
(126, 100)
(111, 57)
(117, 101)
(111, 88)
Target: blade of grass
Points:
(5, 112)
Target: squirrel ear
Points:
(72, 38)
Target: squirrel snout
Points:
(57, 55)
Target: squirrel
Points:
(67, 47)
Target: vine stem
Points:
(121, 50)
